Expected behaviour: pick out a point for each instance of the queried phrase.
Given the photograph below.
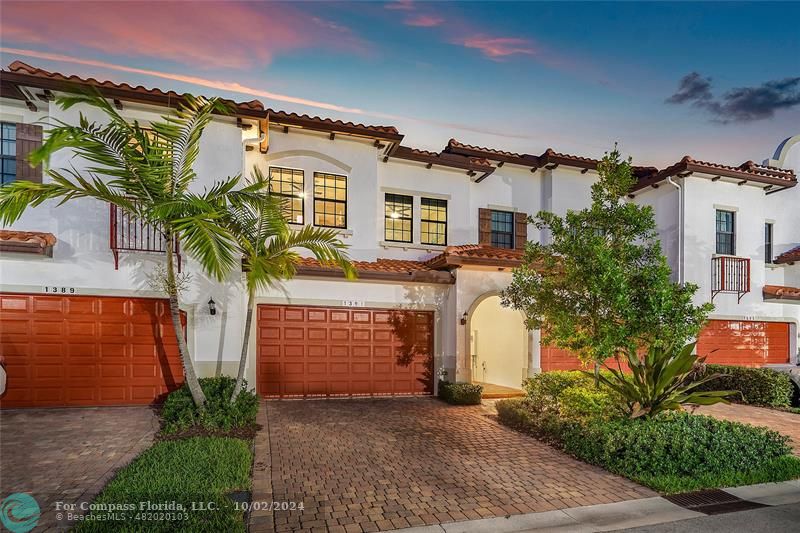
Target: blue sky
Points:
(517, 76)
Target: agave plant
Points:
(147, 173)
(660, 381)
(268, 246)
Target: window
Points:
(8, 136)
(287, 184)
(330, 200)
(398, 217)
(433, 221)
(726, 232)
(768, 243)
(503, 229)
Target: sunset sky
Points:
(718, 81)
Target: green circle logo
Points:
(19, 512)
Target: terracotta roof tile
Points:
(380, 265)
(454, 145)
(789, 256)
(473, 164)
(384, 269)
(476, 254)
(278, 115)
(27, 242)
(779, 292)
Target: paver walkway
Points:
(68, 455)
(782, 422)
(378, 464)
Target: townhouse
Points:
(435, 236)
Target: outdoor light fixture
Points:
(212, 306)
(394, 215)
(464, 319)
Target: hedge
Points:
(758, 386)
(460, 393)
(179, 412)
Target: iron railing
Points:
(730, 274)
(129, 233)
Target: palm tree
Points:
(268, 246)
(146, 173)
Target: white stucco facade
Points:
(685, 217)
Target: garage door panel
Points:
(86, 350)
(744, 343)
(339, 352)
(16, 327)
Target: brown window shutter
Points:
(29, 138)
(520, 230)
(485, 226)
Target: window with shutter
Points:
(485, 226)
(19, 140)
(520, 230)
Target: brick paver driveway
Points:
(377, 464)
(68, 455)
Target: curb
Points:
(613, 516)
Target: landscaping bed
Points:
(671, 452)
(184, 481)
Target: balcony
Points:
(128, 233)
(730, 274)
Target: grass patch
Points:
(199, 469)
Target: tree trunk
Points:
(174, 307)
(245, 345)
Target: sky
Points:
(719, 81)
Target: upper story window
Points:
(8, 150)
(726, 232)
(330, 200)
(287, 184)
(433, 221)
(398, 218)
(768, 257)
(503, 229)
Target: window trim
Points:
(717, 232)
(346, 185)
(5, 157)
(769, 245)
(386, 218)
(492, 232)
(301, 196)
(446, 220)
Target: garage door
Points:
(744, 343)
(325, 351)
(87, 350)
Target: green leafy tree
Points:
(268, 246)
(602, 286)
(148, 174)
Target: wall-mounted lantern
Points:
(464, 319)
(212, 306)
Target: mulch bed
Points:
(246, 433)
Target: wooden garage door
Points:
(87, 350)
(744, 343)
(323, 351)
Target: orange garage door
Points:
(744, 342)
(329, 351)
(87, 350)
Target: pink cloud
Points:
(208, 35)
(498, 48)
(424, 21)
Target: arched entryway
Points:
(498, 343)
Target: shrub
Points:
(460, 393)
(544, 389)
(586, 402)
(179, 412)
(758, 386)
(671, 452)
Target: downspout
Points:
(680, 228)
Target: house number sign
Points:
(354, 303)
(52, 289)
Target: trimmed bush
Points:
(544, 389)
(460, 393)
(758, 386)
(179, 412)
(672, 452)
(587, 402)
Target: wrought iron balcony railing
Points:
(128, 233)
(730, 274)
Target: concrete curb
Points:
(611, 516)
